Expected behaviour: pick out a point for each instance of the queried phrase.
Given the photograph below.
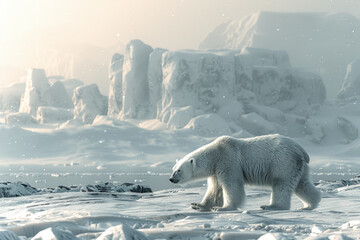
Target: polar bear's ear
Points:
(177, 160)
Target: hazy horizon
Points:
(28, 28)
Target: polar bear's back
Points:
(265, 158)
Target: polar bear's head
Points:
(183, 171)
(193, 166)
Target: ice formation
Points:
(115, 96)
(88, 103)
(135, 81)
(53, 114)
(17, 189)
(155, 80)
(329, 130)
(9, 189)
(178, 86)
(200, 79)
(71, 84)
(226, 82)
(38, 92)
(302, 35)
(59, 95)
(351, 84)
(19, 119)
(10, 97)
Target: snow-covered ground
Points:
(166, 214)
(49, 155)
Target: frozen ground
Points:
(114, 151)
(166, 214)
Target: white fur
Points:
(229, 163)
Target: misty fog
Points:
(117, 117)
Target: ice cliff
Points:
(115, 97)
(135, 80)
(320, 42)
(213, 92)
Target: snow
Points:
(135, 80)
(54, 233)
(166, 214)
(323, 43)
(88, 103)
(122, 231)
(118, 151)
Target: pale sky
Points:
(27, 26)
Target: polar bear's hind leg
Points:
(280, 196)
(307, 192)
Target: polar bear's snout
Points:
(174, 178)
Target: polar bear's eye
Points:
(179, 170)
(191, 160)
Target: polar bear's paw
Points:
(199, 207)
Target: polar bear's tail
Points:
(304, 156)
(299, 150)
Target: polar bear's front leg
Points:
(213, 196)
(233, 192)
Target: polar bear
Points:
(228, 163)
